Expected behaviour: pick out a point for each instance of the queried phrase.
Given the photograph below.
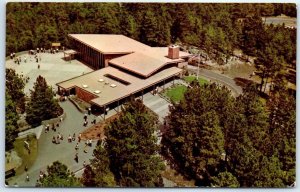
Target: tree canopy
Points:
(223, 141)
(42, 105)
(11, 118)
(131, 148)
(15, 88)
(58, 175)
(212, 27)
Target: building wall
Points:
(91, 57)
(108, 57)
(84, 95)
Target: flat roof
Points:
(111, 43)
(98, 81)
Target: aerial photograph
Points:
(150, 95)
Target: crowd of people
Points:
(72, 138)
(33, 55)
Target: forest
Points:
(215, 28)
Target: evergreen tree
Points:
(255, 114)
(282, 120)
(270, 174)
(98, 174)
(58, 175)
(132, 149)
(194, 138)
(11, 118)
(15, 88)
(244, 162)
(225, 179)
(42, 105)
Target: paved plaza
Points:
(52, 67)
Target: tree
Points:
(15, 88)
(11, 118)
(270, 174)
(254, 111)
(244, 162)
(282, 120)
(194, 139)
(225, 179)
(42, 105)
(132, 147)
(98, 174)
(58, 175)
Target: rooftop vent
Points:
(97, 91)
(84, 86)
(113, 85)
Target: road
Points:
(216, 77)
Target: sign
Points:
(55, 44)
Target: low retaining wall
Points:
(54, 120)
(38, 130)
(76, 105)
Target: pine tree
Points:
(194, 138)
(98, 174)
(251, 106)
(225, 179)
(132, 149)
(11, 118)
(270, 174)
(282, 121)
(244, 162)
(15, 88)
(42, 105)
(58, 175)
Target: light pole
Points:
(198, 66)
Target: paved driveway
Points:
(215, 77)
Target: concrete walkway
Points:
(63, 152)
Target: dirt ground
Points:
(96, 132)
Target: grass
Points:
(191, 78)
(176, 93)
(27, 159)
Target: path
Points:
(64, 152)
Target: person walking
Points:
(76, 157)
(27, 177)
(77, 147)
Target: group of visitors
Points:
(58, 138)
